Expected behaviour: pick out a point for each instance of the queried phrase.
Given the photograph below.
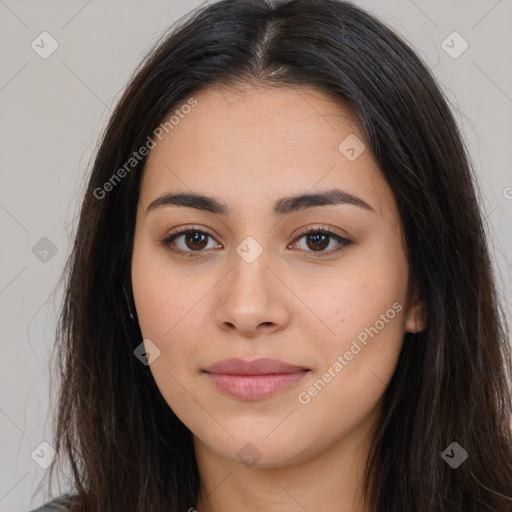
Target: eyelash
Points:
(343, 242)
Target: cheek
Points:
(366, 314)
(163, 319)
(357, 300)
(159, 307)
(356, 366)
(167, 310)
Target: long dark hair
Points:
(125, 447)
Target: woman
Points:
(280, 295)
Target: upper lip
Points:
(262, 366)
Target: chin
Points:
(264, 451)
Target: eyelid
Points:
(322, 228)
(186, 228)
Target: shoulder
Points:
(47, 508)
(61, 504)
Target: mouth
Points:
(254, 380)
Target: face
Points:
(238, 275)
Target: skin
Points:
(248, 147)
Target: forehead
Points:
(261, 142)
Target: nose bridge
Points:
(250, 261)
(250, 297)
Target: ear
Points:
(416, 319)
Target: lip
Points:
(254, 380)
(261, 366)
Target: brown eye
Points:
(196, 240)
(318, 240)
(188, 241)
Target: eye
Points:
(318, 239)
(191, 241)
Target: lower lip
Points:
(254, 387)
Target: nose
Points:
(252, 299)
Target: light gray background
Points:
(54, 109)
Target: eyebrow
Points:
(282, 206)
